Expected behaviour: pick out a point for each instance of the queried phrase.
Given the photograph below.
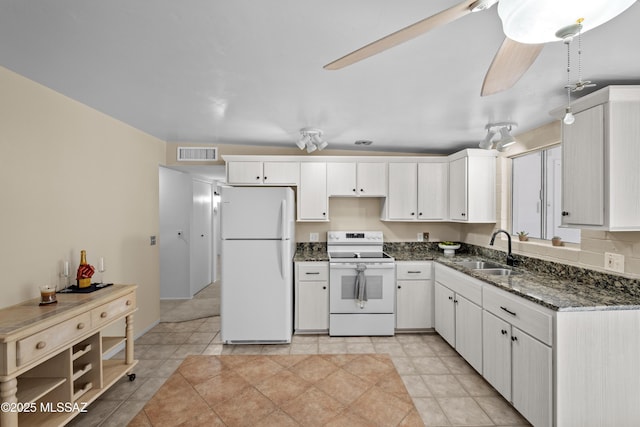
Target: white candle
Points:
(101, 264)
(66, 268)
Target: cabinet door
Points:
(312, 200)
(469, 331)
(496, 353)
(402, 198)
(532, 393)
(583, 169)
(445, 314)
(281, 173)
(414, 302)
(341, 179)
(458, 189)
(244, 172)
(433, 191)
(313, 306)
(372, 179)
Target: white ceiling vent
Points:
(197, 154)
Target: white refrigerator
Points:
(257, 227)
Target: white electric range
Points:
(361, 284)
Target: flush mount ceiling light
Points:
(536, 21)
(502, 130)
(311, 139)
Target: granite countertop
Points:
(556, 293)
(555, 286)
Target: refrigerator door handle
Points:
(283, 259)
(283, 215)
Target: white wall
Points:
(72, 178)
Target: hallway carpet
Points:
(282, 390)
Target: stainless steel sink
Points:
(479, 265)
(498, 271)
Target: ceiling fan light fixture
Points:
(302, 142)
(536, 21)
(506, 139)
(322, 145)
(569, 118)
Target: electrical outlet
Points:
(152, 240)
(314, 237)
(614, 262)
(419, 237)
(425, 236)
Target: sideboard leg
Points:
(8, 390)
(129, 340)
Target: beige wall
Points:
(73, 178)
(589, 253)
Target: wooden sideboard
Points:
(51, 356)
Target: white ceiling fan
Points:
(527, 24)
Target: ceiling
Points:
(250, 72)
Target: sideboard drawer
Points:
(43, 343)
(113, 309)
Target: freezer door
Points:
(256, 291)
(257, 213)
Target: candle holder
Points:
(47, 295)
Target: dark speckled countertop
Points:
(553, 285)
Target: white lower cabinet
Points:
(458, 313)
(515, 363)
(414, 295)
(312, 297)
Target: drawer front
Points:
(413, 270)
(313, 272)
(112, 310)
(460, 283)
(525, 315)
(42, 343)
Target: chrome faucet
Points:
(510, 259)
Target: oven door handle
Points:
(370, 266)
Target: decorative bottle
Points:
(85, 271)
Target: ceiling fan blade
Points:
(403, 35)
(510, 63)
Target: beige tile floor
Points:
(445, 389)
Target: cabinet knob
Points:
(463, 214)
(413, 213)
(565, 213)
(419, 213)
(265, 178)
(455, 301)
(103, 314)
(324, 214)
(361, 190)
(80, 325)
(257, 177)
(129, 302)
(399, 287)
(450, 298)
(503, 332)
(514, 339)
(324, 287)
(40, 345)
(354, 190)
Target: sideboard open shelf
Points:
(52, 363)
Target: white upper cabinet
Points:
(433, 191)
(263, 173)
(472, 186)
(312, 193)
(600, 158)
(356, 179)
(402, 200)
(417, 192)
